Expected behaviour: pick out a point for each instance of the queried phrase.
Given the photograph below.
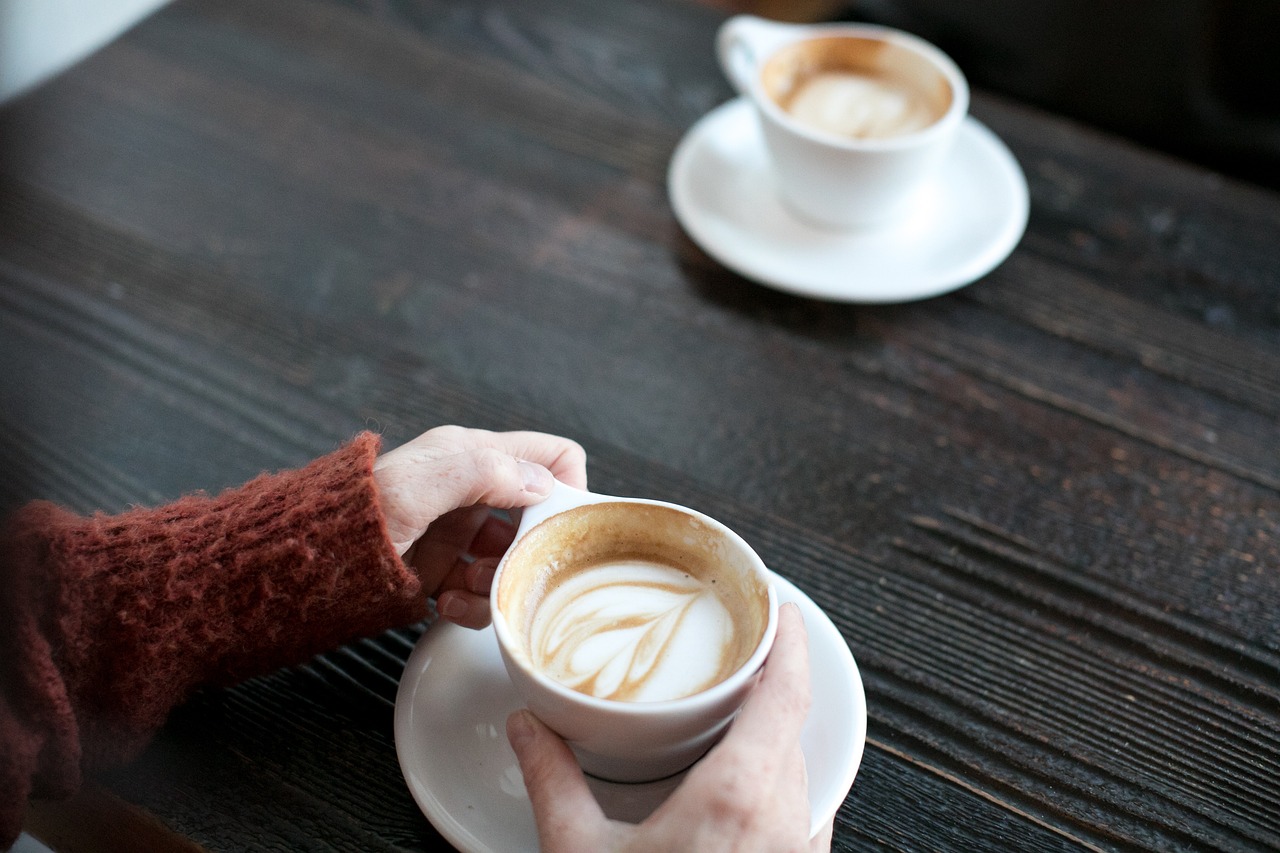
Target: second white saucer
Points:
(450, 732)
(967, 223)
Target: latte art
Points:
(631, 603)
(858, 88)
(634, 631)
(859, 106)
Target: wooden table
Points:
(1044, 510)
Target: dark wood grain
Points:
(1044, 510)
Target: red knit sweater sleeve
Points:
(108, 622)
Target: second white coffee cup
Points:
(632, 737)
(856, 118)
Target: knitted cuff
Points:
(121, 617)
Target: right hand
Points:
(749, 793)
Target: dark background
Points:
(1199, 79)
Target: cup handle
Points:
(741, 44)
(562, 497)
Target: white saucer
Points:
(968, 221)
(450, 730)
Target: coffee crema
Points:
(856, 88)
(631, 602)
(859, 106)
(633, 631)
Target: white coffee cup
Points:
(831, 168)
(636, 738)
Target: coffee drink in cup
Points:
(633, 628)
(632, 602)
(856, 88)
(856, 119)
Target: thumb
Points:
(568, 816)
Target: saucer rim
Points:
(456, 831)
(1004, 235)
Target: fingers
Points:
(821, 842)
(761, 750)
(488, 475)
(464, 608)
(475, 577)
(776, 710)
(451, 467)
(448, 539)
(470, 532)
(564, 458)
(444, 561)
(493, 538)
(750, 792)
(464, 598)
(504, 469)
(568, 816)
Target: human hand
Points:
(437, 492)
(749, 793)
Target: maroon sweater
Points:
(108, 622)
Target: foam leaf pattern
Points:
(633, 636)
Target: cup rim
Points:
(955, 113)
(710, 696)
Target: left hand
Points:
(437, 492)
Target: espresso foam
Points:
(859, 106)
(632, 602)
(634, 631)
(857, 87)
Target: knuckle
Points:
(492, 466)
(449, 433)
(733, 803)
(574, 452)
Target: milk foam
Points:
(859, 106)
(633, 631)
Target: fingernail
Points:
(480, 576)
(519, 729)
(537, 480)
(452, 607)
